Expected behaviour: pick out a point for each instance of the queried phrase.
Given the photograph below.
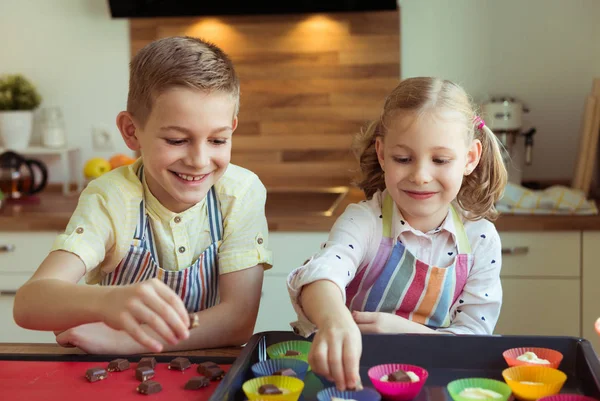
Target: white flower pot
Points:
(16, 128)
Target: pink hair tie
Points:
(479, 123)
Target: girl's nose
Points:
(420, 175)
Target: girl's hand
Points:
(152, 303)
(97, 338)
(335, 353)
(379, 322)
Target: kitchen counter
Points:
(287, 209)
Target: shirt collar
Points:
(400, 225)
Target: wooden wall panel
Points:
(309, 83)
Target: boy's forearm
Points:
(319, 293)
(54, 305)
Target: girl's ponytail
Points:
(371, 176)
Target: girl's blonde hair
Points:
(479, 190)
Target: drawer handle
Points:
(7, 248)
(8, 292)
(517, 250)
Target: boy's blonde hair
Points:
(178, 61)
(479, 190)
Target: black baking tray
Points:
(445, 357)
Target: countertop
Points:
(287, 209)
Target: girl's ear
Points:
(379, 150)
(473, 156)
(128, 130)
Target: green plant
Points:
(17, 93)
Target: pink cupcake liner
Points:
(567, 397)
(397, 391)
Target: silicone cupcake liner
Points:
(393, 390)
(366, 394)
(551, 381)
(291, 384)
(268, 367)
(567, 397)
(552, 356)
(277, 351)
(455, 387)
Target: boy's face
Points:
(186, 145)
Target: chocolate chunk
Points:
(149, 361)
(118, 365)
(197, 382)
(208, 364)
(95, 374)
(212, 372)
(149, 387)
(399, 376)
(144, 373)
(180, 363)
(291, 352)
(269, 389)
(285, 372)
(194, 321)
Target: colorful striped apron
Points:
(397, 282)
(197, 285)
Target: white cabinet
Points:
(10, 332)
(590, 287)
(541, 280)
(276, 311)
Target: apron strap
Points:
(215, 221)
(387, 212)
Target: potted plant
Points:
(18, 99)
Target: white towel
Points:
(554, 200)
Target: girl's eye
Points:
(175, 142)
(441, 161)
(402, 160)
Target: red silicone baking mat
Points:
(65, 381)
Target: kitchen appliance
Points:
(21, 177)
(504, 116)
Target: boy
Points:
(180, 230)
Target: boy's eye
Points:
(219, 141)
(401, 159)
(175, 141)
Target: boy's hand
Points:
(379, 322)
(152, 303)
(335, 353)
(97, 338)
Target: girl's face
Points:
(425, 159)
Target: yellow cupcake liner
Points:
(277, 351)
(530, 383)
(291, 386)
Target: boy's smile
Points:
(186, 145)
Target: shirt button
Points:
(181, 249)
(177, 219)
(79, 230)
(260, 241)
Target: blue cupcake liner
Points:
(268, 367)
(366, 394)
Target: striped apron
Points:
(397, 282)
(197, 285)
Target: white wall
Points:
(78, 58)
(544, 52)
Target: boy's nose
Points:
(198, 157)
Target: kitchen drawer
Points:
(291, 249)
(541, 254)
(11, 333)
(276, 311)
(541, 307)
(24, 251)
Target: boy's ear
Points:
(379, 150)
(234, 123)
(128, 130)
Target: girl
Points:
(420, 255)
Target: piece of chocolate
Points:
(149, 387)
(194, 321)
(212, 372)
(285, 372)
(291, 352)
(180, 363)
(149, 361)
(269, 389)
(144, 373)
(197, 382)
(208, 364)
(118, 365)
(399, 376)
(95, 374)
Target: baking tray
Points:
(445, 357)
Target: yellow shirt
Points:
(101, 229)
